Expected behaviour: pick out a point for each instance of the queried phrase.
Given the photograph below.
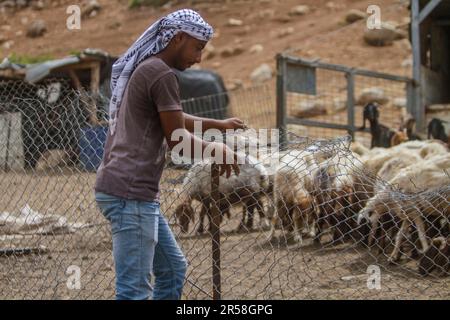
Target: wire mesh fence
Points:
(323, 222)
(326, 222)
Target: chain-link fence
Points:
(325, 223)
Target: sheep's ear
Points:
(440, 242)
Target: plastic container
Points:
(91, 144)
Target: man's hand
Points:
(233, 123)
(172, 120)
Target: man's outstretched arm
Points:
(207, 123)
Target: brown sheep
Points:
(248, 188)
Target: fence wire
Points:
(319, 225)
(324, 220)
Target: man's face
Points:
(189, 51)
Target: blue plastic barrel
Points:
(91, 145)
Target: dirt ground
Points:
(252, 267)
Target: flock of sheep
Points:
(343, 192)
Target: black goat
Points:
(408, 124)
(382, 136)
(437, 129)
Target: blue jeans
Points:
(143, 243)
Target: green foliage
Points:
(154, 3)
(25, 59)
(75, 53)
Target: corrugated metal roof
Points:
(39, 71)
(36, 72)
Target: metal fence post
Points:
(351, 103)
(281, 98)
(418, 111)
(215, 231)
(410, 98)
(8, 137)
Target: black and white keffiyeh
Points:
(151, 42)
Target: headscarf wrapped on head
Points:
(151, 42)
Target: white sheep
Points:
(412, 179)
(294, 206)
(391, 167)
(425, 149)
(442, 161)
(247, 188)
(341, 189)
(359, 148)
(374, 162)
(433, 148)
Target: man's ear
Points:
(179, 37)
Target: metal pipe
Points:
(215, 231)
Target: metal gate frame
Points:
(291, 68)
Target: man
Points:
(144, 111)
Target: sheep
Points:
(327, 179)
(341, 191)
(358, 148)
(247, 188)
(439, 129)
(376, 158)
(386, 163)
(391, 167)
(421, 176)
(442, 161)
(374, 162)
(398, 137)
(437, 256)
(388, 210)
(185, 212)
(382, 136)
(411, 145)
(294, 204)
(435, 209)
(425, 149)
(388, 221)
(433, 148)
(434, 206)
(408, 125)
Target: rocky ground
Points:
(248, 33)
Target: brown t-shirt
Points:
(134, 156)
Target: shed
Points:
(430, 39)
(52, 112)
